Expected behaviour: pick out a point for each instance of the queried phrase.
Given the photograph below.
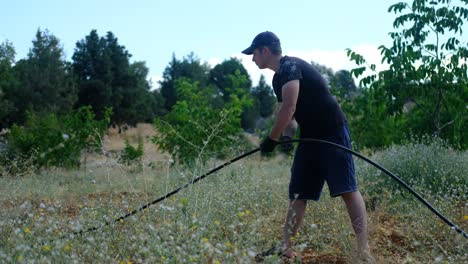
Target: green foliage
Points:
(45, 83)
(49, 76)
(220, 77)
(226, 217)
(84, 129)
(265, 100)
(370, 124)
(194, 131)
(141, 104)
(100, 76)
(189, 67)
(106, 78)
(7, 80)
(325, 71)
(427, 70)
(264, 103)
(92, 67)
(157, 103)
(130, 154)
(342, 85)
(7, 53)
(57, 141)
(428, 165)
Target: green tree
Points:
(137, 103)
(342, 84)
(325, 71)
(124, 86)
(7, 81)
(92, 67)
(229, 77)
(190, 68)
(370, 123)
(194, 131)
(157, 103)
(53, 140)
(147, 103)
(428, 68)
(46, 83)
(7, 53)
(107, 79)
(90, 61)
(265, 100)
(219, 76)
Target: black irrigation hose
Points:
(304, 140)
(393, 176)
(167, 195)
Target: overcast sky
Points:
(153, 30)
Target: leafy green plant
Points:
(131, 154)
(428, 165)
(195, 131)
(57, 141)
(225, 218)
(427, 69)
(370, 124)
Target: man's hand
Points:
(268, 145)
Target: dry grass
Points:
(114, 143)
(225, 218)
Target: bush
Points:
(52, 141)
(427, 165)
(130, 154)
(194, 131)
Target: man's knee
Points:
(297, 201)
(351, 196)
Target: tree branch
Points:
(447, 124)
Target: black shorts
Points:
(317, 163)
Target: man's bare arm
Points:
(290, 92)
(290, 130)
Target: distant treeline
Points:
(424, 91)
(101, 75)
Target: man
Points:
(306, 99)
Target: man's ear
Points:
(266, 50)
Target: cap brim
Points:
(249, 50)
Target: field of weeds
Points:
(232, 214)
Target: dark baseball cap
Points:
(266, 38)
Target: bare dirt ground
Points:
(384, 231)
(114, 143)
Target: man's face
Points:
(259, 57)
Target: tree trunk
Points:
(437, 112)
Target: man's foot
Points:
(290, 258)
(365, 256)
(276, 251)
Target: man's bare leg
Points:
(294, 219)
(357, 212)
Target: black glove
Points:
(287, 147)
(268, 145)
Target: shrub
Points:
(195, 131)
(428, 165)
(50, 140)
(130, 154)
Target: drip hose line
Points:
(301, 140)
(393, 176)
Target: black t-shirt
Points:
(317, 112)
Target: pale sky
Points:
(153, 30)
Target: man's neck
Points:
(275, 63)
